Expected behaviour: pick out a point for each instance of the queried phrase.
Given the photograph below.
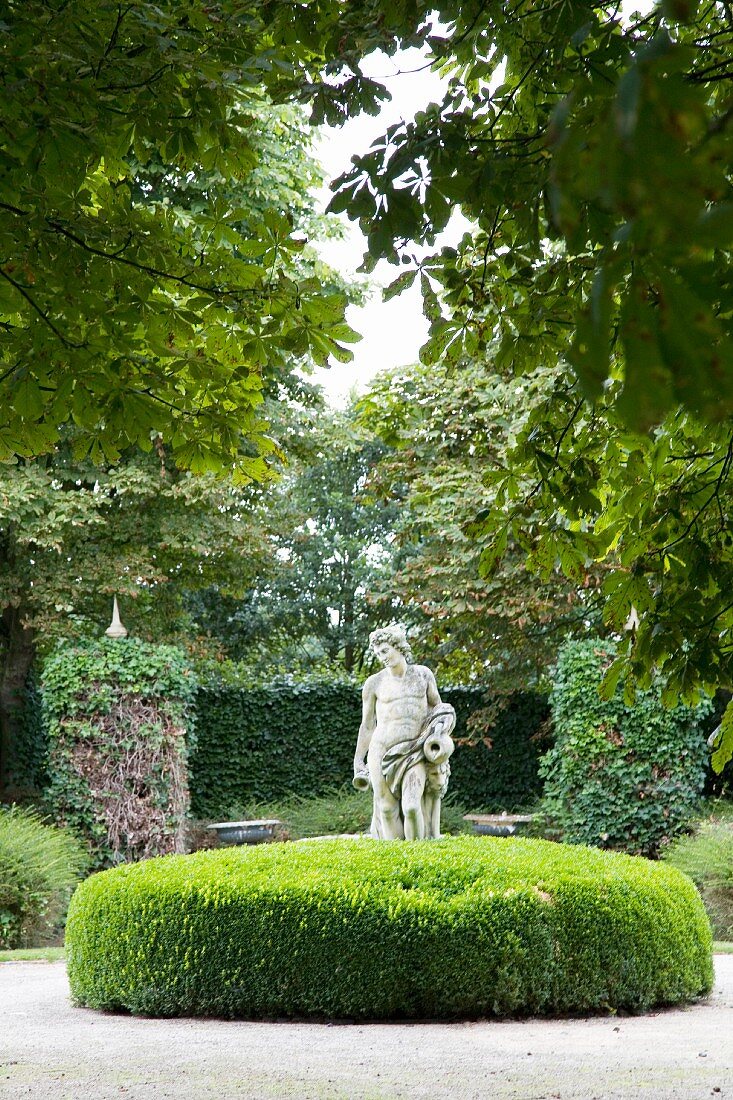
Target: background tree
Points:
(75, 529)
(73, 533)
(592, 151)
(491, 617)
(331, 548)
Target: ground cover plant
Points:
(39, 867)
(33, 954)
(459, 927)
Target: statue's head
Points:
(393, 635)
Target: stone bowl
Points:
(246, 832)
(498, 824)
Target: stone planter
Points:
(246, 832)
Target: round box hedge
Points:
(463, 926)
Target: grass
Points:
(717, 810)
(722, 948)
(33, 954)
(39, 867)
(345, 811)
(707, 857)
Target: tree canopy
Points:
(98, 514)
(72, 534)
(443, 430)
(591, 151)
(123, 310)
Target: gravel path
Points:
(52, 1051)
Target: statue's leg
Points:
(432, 802)
(374, 827)
(435, 817)
(387, 819)
(413, 786)
(428, 804)
(390, 818)
(392, 823)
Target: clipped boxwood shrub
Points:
(458, 927)
(118, 714)
(620, 776)
(39, 867)
(263, 743)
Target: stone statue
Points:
(405, 737)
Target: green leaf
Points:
(715, 226)
(611, 677)
(402, 282)
(491, 555)
(591, 349)
(680, 11)
(648, 390)
(721, 741)
(28, 399)
(431, 306)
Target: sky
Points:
(392, 331)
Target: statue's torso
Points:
(401, 705)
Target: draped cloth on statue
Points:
(431, 748)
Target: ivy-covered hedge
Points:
(259, 744)
(265, 742)
(366, 929)
(118, 715)
(620, 776)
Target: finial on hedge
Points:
(115, 628)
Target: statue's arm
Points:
(432, 690)
(368, 723)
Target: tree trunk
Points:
(17, 658)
